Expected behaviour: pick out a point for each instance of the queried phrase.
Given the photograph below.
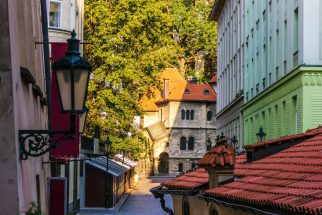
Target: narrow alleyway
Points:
(142, 202)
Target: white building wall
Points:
(230, 68)
(276, 43)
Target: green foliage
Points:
(133, 41)
(196, 33)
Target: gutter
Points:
(44, 23)
(234, 205)
(160, 195)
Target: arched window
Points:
(183, 114)
(206, 92)
(183, 141)
(191, 143)
(185, 206)
(192, 113)
(187, 91)
(209, 115)
(180, 167)
(187, 114)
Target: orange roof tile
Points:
(177, 87)
(289, 180)
(220, 155)
(213, 79)
(191, 180)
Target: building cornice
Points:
(237, 99)
(179, 100)
(295, 73)
(193, 128)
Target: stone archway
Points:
(163, 163)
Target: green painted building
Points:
(283, 67)
(291, 105)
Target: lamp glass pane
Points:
(64, 86)
(82, 119)
(80, 85)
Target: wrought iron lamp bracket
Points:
(35, 143)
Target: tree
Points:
(131, 43)
(196, 36)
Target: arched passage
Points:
(164, 163)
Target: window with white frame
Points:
(55, 12)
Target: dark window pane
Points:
(180, 167)
(187, 114)
(191, 143)
(192, 113)
(183, 114)
(183, 141)
(209, 115)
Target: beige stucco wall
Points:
(20, 108)
(150, 118)
(199, 206)
(72, 18)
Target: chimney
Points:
(219, 162)
(165, 88)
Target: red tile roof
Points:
(220, 155)
(213, 79)
(293, 137)
(188, 181)
(289, 180)
(177, 87)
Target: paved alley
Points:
(142, 202)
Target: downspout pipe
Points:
(44, 23)
(159, 195)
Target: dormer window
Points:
(186, 91)
(206, 92)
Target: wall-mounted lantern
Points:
(234, 141)
(72, 75)
(261, 135)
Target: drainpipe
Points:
(44, 23)
(160, 196)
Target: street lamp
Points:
(72, 75)
(234, 141)
(208, 144)
(261, 135)
(108, 144)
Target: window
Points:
(187, 114)
(186, 91)
(55, 14)
(183, 114)
(206, 92)
(180, 167)
(191, 143)
(192, 113)
(183, 142)
(209, 115)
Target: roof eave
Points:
(216, 10)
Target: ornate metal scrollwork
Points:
(38, 142)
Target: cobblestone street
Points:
(140, 202)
